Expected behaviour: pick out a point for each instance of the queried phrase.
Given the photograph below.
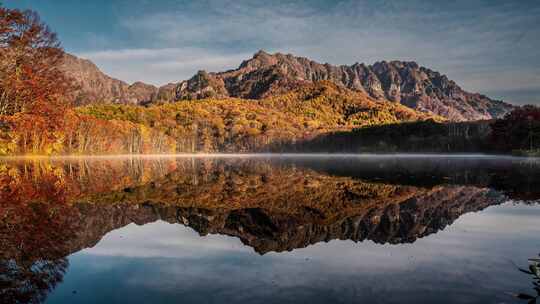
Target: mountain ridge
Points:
(266, 75)
(94, 86)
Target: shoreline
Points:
(275, 155)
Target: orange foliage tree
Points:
(33, 89)
(30, 57)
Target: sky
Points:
(486, 46)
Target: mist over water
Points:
(269, 228)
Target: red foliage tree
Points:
(30, 57)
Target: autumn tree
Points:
(30, 57)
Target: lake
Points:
(269, 229)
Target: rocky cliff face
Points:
(267, 75)
(405, 82)
(93, 86)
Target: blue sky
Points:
(487, 46)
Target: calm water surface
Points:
(269, 229)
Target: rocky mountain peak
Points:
(259, 60)
(266, 74)
(93, 86)
(406, 82)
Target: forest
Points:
(37, 116)
(417, 136)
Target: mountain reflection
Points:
(50, 209)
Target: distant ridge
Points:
(267, 75)
(94, 86)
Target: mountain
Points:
(93, 86)
(268, 75)
(242, 125)
(407, 83)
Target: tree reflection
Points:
(22, 282)
(534, 272)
